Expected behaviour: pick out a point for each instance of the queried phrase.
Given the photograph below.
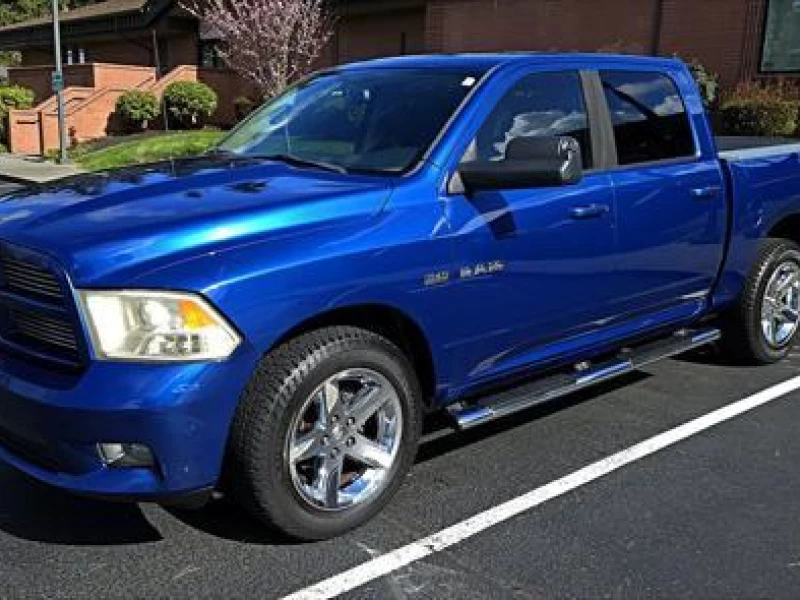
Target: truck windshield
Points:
(371, 120)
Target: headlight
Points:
(156, 326)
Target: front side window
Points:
(373, 120)
(539, 105)
(649, 117)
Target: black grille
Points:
(38, 313)
(44, 330)
(25, 278)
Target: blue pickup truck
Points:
(468, 234)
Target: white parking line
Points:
(397, 559)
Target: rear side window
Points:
(539, 105)
(649, 117)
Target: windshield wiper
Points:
(302, 162)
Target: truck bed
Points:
(747, 147)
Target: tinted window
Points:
(649, 117)
(540, 105)
(781, 37)
(369, 120)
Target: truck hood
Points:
(110, 227)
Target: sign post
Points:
(58, 87)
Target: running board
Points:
(476, 412)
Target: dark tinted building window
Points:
(781, 51)
(539, 105)
(649, 117)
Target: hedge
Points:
(190, 103)
(761, 117)
(137, 108)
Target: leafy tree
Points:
(272, 43)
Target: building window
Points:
(781, 52)
(74, 56)
(209, 54)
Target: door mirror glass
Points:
(528, 162)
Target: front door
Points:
(535, 265)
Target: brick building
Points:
(740, 39)
(119, 44)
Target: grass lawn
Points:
(145, 149)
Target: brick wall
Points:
(385, 34)
(713, 31)
(112, 51)
(724, 34)
(564, 25)
(39, 79)
(181, 50)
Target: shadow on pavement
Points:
(439, 439)
(38, 513)
(225, 520)
(713, 356)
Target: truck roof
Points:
(486, 61)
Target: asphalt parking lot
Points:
(716, 515)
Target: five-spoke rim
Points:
(345, 440)
(780, 309)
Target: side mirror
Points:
(529, 162)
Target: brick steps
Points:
(90, 111)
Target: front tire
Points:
(763, 325)
(325, 433)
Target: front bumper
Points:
(51, 423)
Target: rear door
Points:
(671, 211)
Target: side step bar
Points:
(476, 412)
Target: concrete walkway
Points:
(32, 169)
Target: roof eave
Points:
(20, 38)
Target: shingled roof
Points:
(111, 16)
(91, 11)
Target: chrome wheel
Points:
(345, 440)
(780, 309)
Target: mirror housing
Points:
(529, 162)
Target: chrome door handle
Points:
(590, 211)
(704, 193)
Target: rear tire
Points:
(305, 457)
(762, 327)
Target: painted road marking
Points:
(397, 559)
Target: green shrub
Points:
(11, 97)
(190, 103)
(773, 117)
(137, 108)
(761, 108)
(707, 82)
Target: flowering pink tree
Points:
(269, 42)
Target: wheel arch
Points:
(385, 320)
(787, 228)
